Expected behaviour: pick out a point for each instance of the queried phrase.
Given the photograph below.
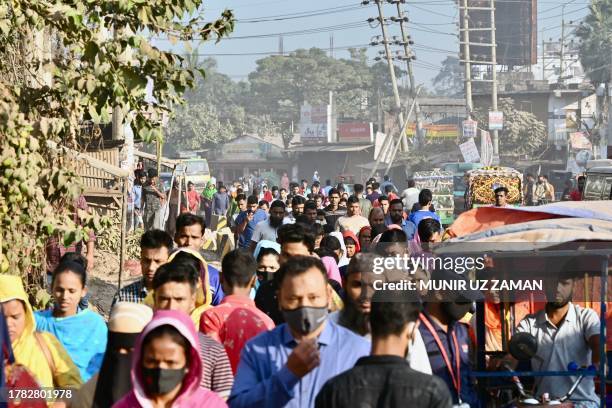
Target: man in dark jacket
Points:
(385, 379)
(221, 201)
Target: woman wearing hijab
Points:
(113, 381)
(267, 254)
(40, 352)
(208, 194)
(166, 366)
(67, 320)
(351, 243)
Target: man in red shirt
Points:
(193, 198)
(236, 319)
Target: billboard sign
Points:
(469, 128)
(469, 151)
(355, 132)
(434, 131)
(496, 120)
(315, 124)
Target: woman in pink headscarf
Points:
(333, 272)
(166, 367)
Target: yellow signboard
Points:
(434, 131)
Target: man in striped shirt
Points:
(155, 247)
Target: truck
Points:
(598, 184)
(196, 169)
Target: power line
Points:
(241, 54)
(326, 29)
(303, 14)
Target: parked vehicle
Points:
(598, 184)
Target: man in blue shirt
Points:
(396, 216)
(287, 366)
(425, 198)
(141, 179)
(247, 220)
(447, 339)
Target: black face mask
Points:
(114, 380)
(265, 276)
(160, 381)
(456, 311)
(306, 319)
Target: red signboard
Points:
(355, 132)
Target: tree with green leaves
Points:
(595, 35)
(449, 81)
(66, 63)
(523, 133)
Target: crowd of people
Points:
(291, 318)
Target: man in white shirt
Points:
(266, 230)
(410, 196)
(352, 221)
(565, 332)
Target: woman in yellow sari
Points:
(40, 352)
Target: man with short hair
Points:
(396, 217)
(410, 196)
(247, 220)
(353, 220)
(389, 193)
(153, 198)
(193, 198)
(383, 202)
(304, 190)
(155, 247)
(190, 230)
(543, 192)
(288, 365)
(425, 199)
(333, 211)
(501, 197)
(310, 211)
(294, 240)
(565, 332)
(267, 229)
(387, 183)
(365, 204)
(220, 201)
(385, 375)
(236, 319)
(137, 202)
(175, 286)
(315, 188)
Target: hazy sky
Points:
(433, 27)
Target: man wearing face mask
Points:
(385, 375)
(113, 381)
(287, 366)
(446, 339)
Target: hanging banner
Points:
(469, 151)
(496, 120)
(469, 128)
(579, 141)
(486, 148)
(434, 131)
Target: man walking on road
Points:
(353, 220)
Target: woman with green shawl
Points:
(208, 194)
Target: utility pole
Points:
(409, 56)
(562, 50)
(331, 45)
(543, 57)
(494, 79)
(396, 97)
(468, 66)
